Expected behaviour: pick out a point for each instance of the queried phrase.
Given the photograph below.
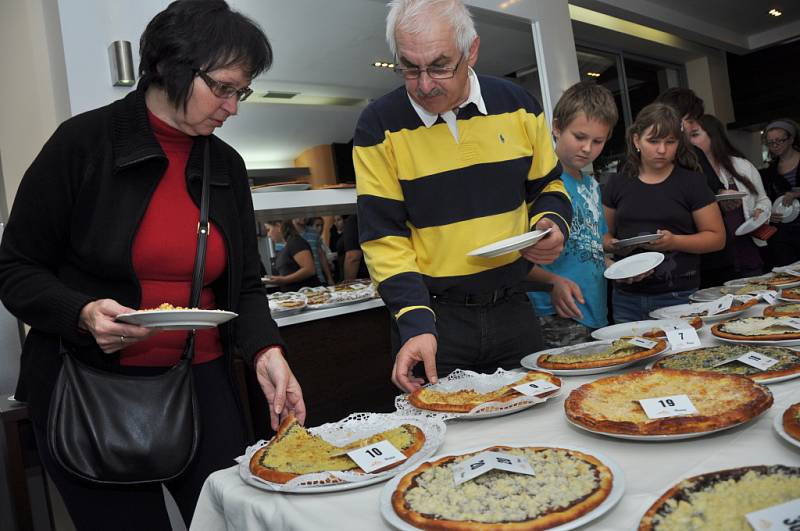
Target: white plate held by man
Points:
(509, 245)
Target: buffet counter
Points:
(650, 467)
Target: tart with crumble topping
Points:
(567, 484)
(719, 501)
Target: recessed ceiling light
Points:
(383, 64)
(775, 13)
(593, 74)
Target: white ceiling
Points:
(326, 48)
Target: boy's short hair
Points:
(587, 97)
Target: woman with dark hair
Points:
(656, 194)
(295, 262)
(781, 180)
(105, 222)
(736, 174)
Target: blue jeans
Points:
(629, 307)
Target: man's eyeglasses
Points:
(224, 90)
(434, 72)
(777, 142)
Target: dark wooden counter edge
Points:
(343, 363)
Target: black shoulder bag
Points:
(115, 429)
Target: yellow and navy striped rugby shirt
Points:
(425, 200)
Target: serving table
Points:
(650, 468)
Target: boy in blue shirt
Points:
(582, 123)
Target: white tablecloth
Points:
(650, 467)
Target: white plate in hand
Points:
(636, 240)
(509, 245)
(751, 224)
(633, 265)
(177, 319)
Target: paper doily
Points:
(483, 383)
(355, 426)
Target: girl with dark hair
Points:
(781, 180)
(105, 222)
(655, 193)
(736, 174)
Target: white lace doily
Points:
(482, 383)
(355, 426)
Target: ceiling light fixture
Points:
(383, 64)
(775, 12)
(507, 4)
(593, 74)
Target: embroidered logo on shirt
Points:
(502, 139)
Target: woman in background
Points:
(781, 181)
(295, 262)
(736, 174)
(656, 194)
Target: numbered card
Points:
(720, 305)
(768, 296)
(668, 406)
(757, 360)
(794, 322)
(642, 342)
(486, 461)
(682, 338)
(376, 456)
(536, 387)
(783, 517)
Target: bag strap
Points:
(202, 242)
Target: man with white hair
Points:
(446, 164)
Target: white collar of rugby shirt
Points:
(449, 117)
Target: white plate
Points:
(530, 361)
(635, 328)
(707, 294)
(751, 224)
(177, 319)
(636, 240)
(297, 187)
(515, 243)
(777, 423)
(660, 438)
(770, 342)
(679, 310)
(633, 265)
(617, 489)
(789, 213)
(731, 195)
(789, 285)
(434, 430)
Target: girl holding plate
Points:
(656, 193)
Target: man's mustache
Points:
(435, 92)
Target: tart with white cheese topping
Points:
(567, 484)
(757, 329)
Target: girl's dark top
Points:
(645, 208)
(287, 265)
